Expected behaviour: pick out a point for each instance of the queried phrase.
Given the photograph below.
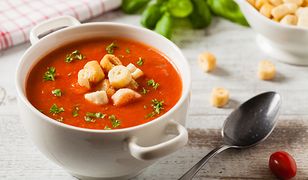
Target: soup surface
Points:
(54, 87)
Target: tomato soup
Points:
(68, 84)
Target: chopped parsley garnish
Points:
(91, 117)
(75, 111)
(50, 74)
(114, 121)
(152, 83)
(75, 55)
(151, 114)
(60, 119)
(157, 107)
(111, 47)
(55, 109)
(107, 128)
(144, 91)
(57, 92)
(127, 50)
(112, 117)
(140, 61)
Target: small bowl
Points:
(281, 42)
(101, 154)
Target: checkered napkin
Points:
(17, 17)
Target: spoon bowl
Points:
(253, 121)
(248, 125)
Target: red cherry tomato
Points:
(282, 165)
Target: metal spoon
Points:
(246, 126)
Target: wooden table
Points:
(238, 56)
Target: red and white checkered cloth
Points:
(17, 17)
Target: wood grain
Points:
(20, 159)
(289, 135)
(237, 55)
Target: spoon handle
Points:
(193, 171)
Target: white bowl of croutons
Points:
(282, 27)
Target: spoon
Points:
(246, 126)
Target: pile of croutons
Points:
(289, 12)
(119, 84)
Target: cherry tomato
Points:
(282, 165)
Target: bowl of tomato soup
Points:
(103, 100)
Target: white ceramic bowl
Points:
(281, 42)
(92, 154)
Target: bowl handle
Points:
(162, 149)
(51, 24)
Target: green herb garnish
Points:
(157, 107)
(114, 121)
(57, 92)
(144, 91)
(127, 50)
(140, 61)
(151, 114)
(111, 47)
(107, 128)
(152, 83)
(55, 109)
(75, 55)
(50, 74)
(60, 119)
(75, 111)
(91, 117)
